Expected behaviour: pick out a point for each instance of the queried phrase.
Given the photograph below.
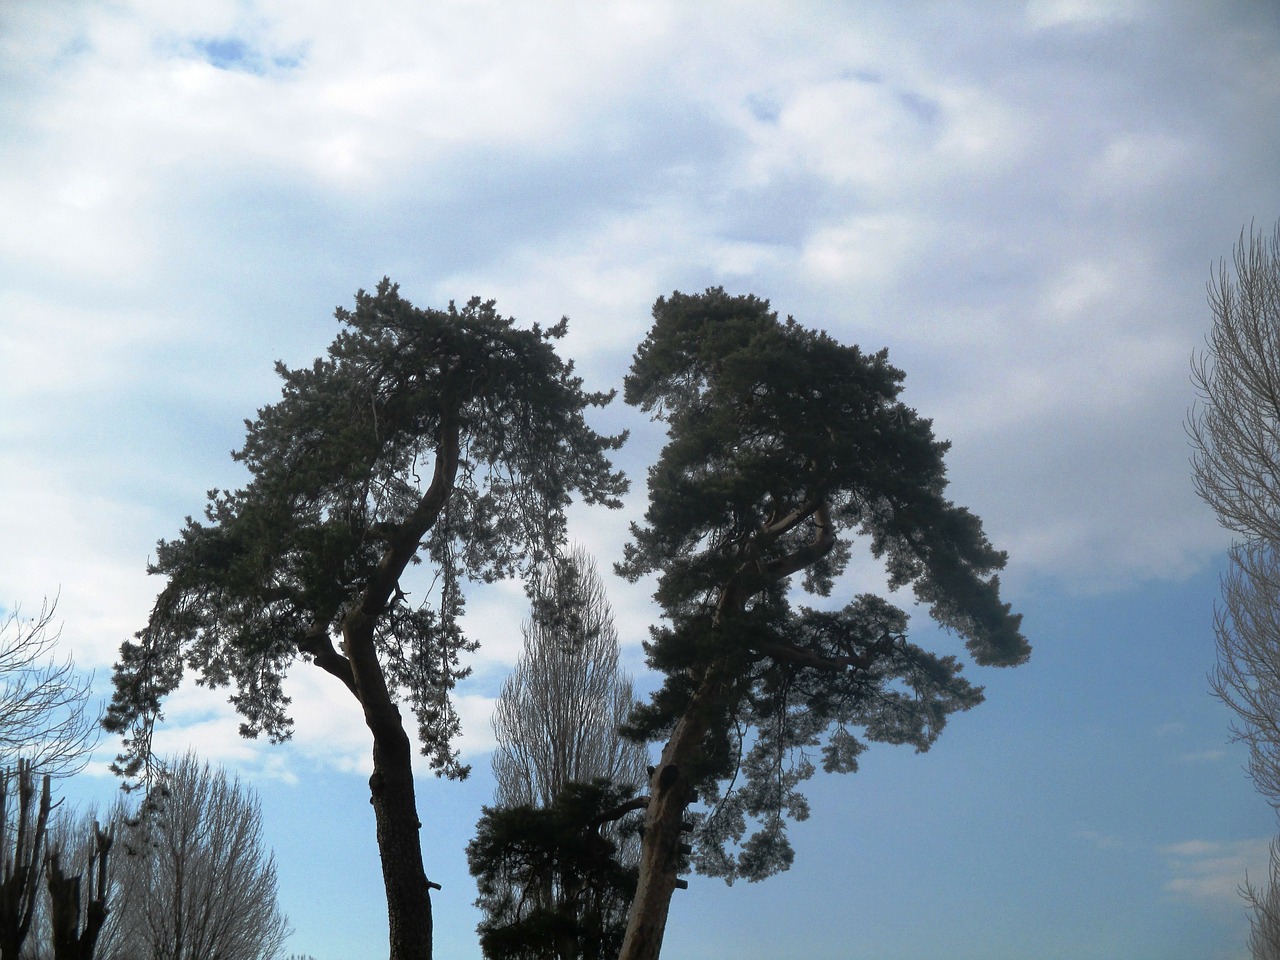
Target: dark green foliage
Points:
(444, 435)
(550, 884)
(785, 448)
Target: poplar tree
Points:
(554, 858)
(1235, 438)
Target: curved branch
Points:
(824, 539)
(317, 643)
(405, 538)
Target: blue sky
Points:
(1021, 200)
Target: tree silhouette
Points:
(448, 437)
(784, 448)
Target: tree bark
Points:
(391, 789)
(71, 941)
(391, 792)
(400, 847)
(669, 796)
(22, 846)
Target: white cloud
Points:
(1042, 14)
(1209, 873)
(476, 713)
(871, 251)
(1101, 841)
(1142, 162)
(172, 225)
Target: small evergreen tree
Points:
(550, 879)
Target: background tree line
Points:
(1235, 435)
(178, 873)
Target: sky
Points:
(1022, 201)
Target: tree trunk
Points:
(669, 796)
(392, 795)
(22, 848)
(391, 790)
(399, 845)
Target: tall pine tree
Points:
(448, 437)
(785, 449)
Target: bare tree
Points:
(557, 718)
(45, 716)
(1247, 675)
(1235, 429)
(78, 901)
(1264, 938)
(1235, 435)
(77, 914)
(196, 880)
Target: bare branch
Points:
(197, 879)
(45, 713)
(1235, 426)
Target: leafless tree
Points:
(1235, 429)
(557, 722)
(196, 880)
(78, 901)
(1247, 674)
(77, 914)
(45, 713)
(24, 822)
(557, 718)
(1264, 939)
(1235, 435)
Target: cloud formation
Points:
(1210, 874)
(1020, 201)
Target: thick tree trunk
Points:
(392, 795)
(391, 790)
(647, 921)
(399, 845)
(669, 796)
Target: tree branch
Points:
(407, 536)
(620, 811)
(824, 539)
(317, 643)
(807, 658)
(773, 529)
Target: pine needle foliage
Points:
(786, 451)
